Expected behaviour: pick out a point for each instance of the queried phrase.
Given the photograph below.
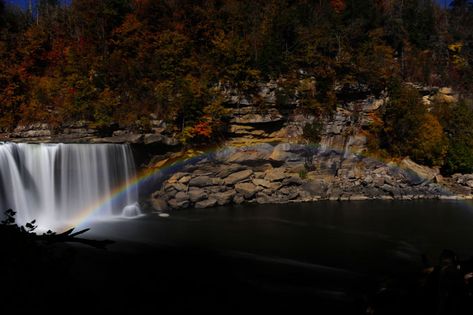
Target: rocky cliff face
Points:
(266, 160)
(83, 132)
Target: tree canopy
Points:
(118, 61)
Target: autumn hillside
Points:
(116, 62)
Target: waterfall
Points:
(60, 183)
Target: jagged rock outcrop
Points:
(84, 132)
(267, 160)
(350, 178)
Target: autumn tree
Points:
(410, 130)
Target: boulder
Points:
(390, 189)
(292, 180)
(378, 181)
(261, 182)
(248, 190)
(225, 197)
(159, 204)
(367, 180)
(197, 194)
(295, 167)
(417, 174)
(238, 199)
(359, 197)
(177, 186)
(181, 196)
(175, 177)
(251, 155)
(293, 195)
(200, 181)
(178, 205)
(185, 179)
(315, 187)
(229, 169)
(275, 174)
(262, 198)
(234, 178)
(287, 152)
(215, 189)
(206, 203)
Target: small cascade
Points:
(64, 183)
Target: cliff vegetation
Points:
(122, 63)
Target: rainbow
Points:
(141, 178)
(162, 170)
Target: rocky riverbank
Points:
(267, 160)
(297, 173)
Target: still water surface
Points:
(362, 237)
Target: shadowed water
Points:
(321, 258)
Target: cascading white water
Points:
(58, 183)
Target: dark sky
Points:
(24, 3)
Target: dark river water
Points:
(325, 257)
(364, 236)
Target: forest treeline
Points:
(118, 61)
